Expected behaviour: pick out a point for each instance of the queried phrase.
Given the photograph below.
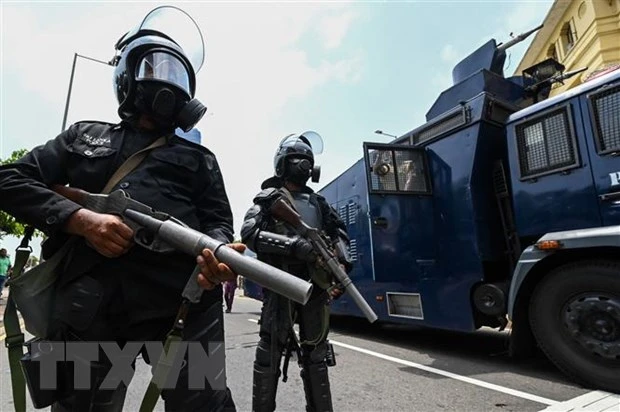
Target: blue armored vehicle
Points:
(503, 208)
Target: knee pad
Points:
(314, 354)
(263, 352)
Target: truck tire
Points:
(575, 317)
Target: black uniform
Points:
(277, 245)
(133, 297)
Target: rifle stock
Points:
(72, 193)
(282, 211)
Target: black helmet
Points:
(294, 158)
(155, 76)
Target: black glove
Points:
(302, 250)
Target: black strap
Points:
(166, 360)
(14, 343)
(28, 233)
(14, 340)
(291, 345)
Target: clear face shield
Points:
(175, 24)
(160, 65)
(312, 139)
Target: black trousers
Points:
(276, 324)
(87, 312)
(276, 328)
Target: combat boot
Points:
(264, 388)
(316, 387)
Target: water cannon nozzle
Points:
(517, 39)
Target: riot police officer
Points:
(275, 243)
(111, 289)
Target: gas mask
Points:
(299, 170)
(163, 91)
(294, 159)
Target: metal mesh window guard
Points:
(397, 171)
(605, 110)
(382, 174)
(411, 173)
(546, 144)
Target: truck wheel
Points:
(575, 317)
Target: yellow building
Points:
(578, 33)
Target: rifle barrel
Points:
(350, 288)
(193, 242)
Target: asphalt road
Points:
(386, 368)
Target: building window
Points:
(553, 52)
(568, 35)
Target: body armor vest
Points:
(309, 211)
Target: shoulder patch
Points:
(210, 161)
(94, 140)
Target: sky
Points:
(342, 69)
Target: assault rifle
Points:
(536, 88)
(160, 232)
(326, 258)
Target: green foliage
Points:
(8, 224)
(15, 156)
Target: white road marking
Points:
(591, 401)
(451, 375)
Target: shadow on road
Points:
(468, 354)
